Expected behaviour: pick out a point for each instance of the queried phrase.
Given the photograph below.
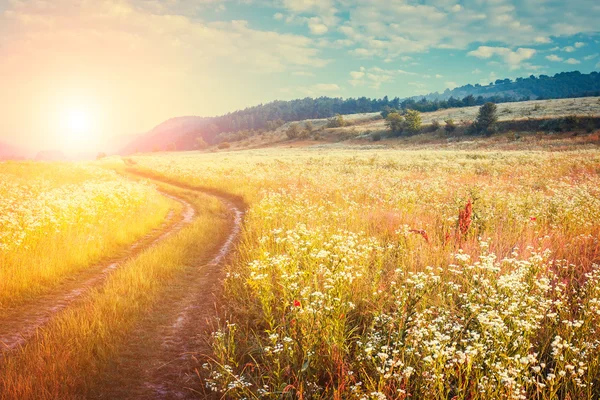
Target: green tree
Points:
(486, 119)
(395, 123)
(413, 121)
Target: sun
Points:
(78, 129)
(78, 122)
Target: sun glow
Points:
(79, 129)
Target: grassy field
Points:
(71, 356)
(58, 219)
(379, 274)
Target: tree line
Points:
(270, 116)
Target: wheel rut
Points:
(20, 324)
(160, 359)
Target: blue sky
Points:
(138, 62)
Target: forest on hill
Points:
(191, 132)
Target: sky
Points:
(76, 73)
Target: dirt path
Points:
(19, 324)
(159, 360)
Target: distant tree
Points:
(293, 131)
(101, 155)
(450, 125)
(387, 110)
(486, 119)
(395, 123)
(413, 121)
(224, 145)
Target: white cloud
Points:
(388, 29)
(597, 65)
(569, 49)
(572, 61)
(317, 27)
(278, 16)
(591, 57)
(554, 57)
(374, 77)
(476, 71)
(510, 57)
(451, 85)
(579, 44)
(438, 76)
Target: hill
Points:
(10, 152)
(176, 133)
(182, 133)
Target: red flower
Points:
(297, 303)
(532, 218)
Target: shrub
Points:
(308, 126)
(570, 122)
(395, 123)
(224, 145)
(486, 119)
(293, 131)
(413, 121)
(376, 137)
(450, 125)
(435, 125)
(336, 122)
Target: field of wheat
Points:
(406, 274)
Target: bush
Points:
(293, 131)
(413, 121)
(224, 145)
(336, 122)
(435, 125)
(486, 119)
(308, 126)
(450, 125)
(376, 137)
(395, 123)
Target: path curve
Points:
(165, 368)
(20, 324)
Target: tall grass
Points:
(70, 356)
(390, 274)
(59, 219)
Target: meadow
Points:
(375, 274)
(58, 219)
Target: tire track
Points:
(20, 324)
(160, 359)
